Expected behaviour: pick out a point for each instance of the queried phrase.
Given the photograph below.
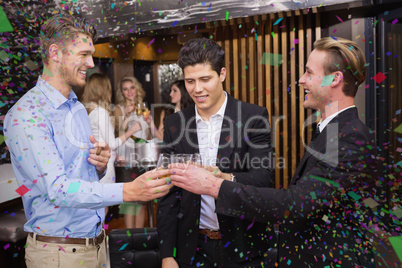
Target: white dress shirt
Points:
(322, 124)
(208, 133)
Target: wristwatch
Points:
(232, 177)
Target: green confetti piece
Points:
(174, 252)
(313, 195)
(273, 34)
(324, 180)
(5, 25)
(271, 59)
(354, 195)
(398, 129)
(396, 243)
(74, 187)
(4, 56)
(227, 15)
(370, 202)
(327, 80)
(398, 213)
(2, 139)
(128, 233)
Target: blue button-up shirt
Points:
(48, 137)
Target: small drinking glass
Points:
(164, 161)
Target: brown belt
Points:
(211, 234)
(71, 240)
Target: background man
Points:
(320, 224)
(229, 134)
(54, 156)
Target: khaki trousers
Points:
(51, 255)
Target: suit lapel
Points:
(230, 130)
(190, 144)
(320, 142)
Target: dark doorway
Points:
(143, 71)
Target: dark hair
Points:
(62, 28)
(185, 99)
(202, 50)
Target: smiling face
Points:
(175, 94)
(317, 96)
(129, 91)
(75, 60)
(205, 88)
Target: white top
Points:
(322, 124)
(103, 131)
(208, 133)
(127, 152)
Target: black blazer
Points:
(245, 136)
(319, 223)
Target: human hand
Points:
(135, 127)
(99, 156)
(169, 262)
(195, 179)
(218, 173)
(147, 187)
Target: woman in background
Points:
(97, 97)
(129, 94)
(180, 98)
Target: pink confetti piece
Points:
(150, 43)
(22, 190)
(339, 19)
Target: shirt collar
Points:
(221, 111)
(55, 98)
(323, 124)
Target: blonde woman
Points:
(129, 94)
(97, 98)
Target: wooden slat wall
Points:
(245, 40)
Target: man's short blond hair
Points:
(347, 57)
(62, 29)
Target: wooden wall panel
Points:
(247, 43)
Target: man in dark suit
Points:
(322, 212)
(234, 137)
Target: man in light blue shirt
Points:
(56, 159)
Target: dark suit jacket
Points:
(320, 223)
(245, 137)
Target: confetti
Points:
(327, 80)
(74, 187)
(5, 25)
(271, 59)
(278, 21)
(379, 77)
(22, 190)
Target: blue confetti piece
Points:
(123, 247)
(277, 22)
(174, 23)
(74, 187)
(227, 244)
